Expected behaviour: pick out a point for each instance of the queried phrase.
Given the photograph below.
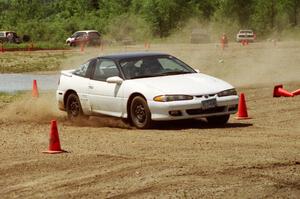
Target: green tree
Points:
(113, 8)
(236, 10)
(264, 16)
(207, 8)
(290, 8)
(163, 15)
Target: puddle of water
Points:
(23, 82)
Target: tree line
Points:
(52, 20)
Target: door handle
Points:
(91, 87)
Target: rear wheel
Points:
(218, 120)
(140, 114)
(73, 108)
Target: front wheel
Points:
(218, 120)
(73, 107)
(72, 44)
(140, 113)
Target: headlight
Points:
(227, 93)
(169, 98)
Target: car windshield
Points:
(246, 31)
(144, 67)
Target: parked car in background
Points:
(246, 35)
(144, 87)
(9, 36)
(91, 37)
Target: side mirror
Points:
(197, 70)
(114, 80)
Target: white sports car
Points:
(144, 87)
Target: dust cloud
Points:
(254, 64)
(262, 64)
(27, 108)
(44, 109)
(267, 61)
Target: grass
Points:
(17, 62)
(38, 45)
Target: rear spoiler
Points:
(67, 73)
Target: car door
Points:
(80, 83)
(105, 98)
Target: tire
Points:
(72, 44)
(218, 120)
(74, 109)
(140, 115)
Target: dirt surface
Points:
(255, 158)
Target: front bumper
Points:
(192, 108)
(250, 39)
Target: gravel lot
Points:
(256, 158)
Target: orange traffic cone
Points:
(243, 42)
(296, 92)
(279, 91)
(82, 47)
(242, 109)
(54, 144)
(35, 92)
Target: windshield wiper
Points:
(175, 72)
(143, 76)
(161, 74)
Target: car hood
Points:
(189, 84)
(70, 39)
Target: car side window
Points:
(86, 69)
(76, 34)
(104, 69)
(93, 35)
(82, 70)
(79, 35)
